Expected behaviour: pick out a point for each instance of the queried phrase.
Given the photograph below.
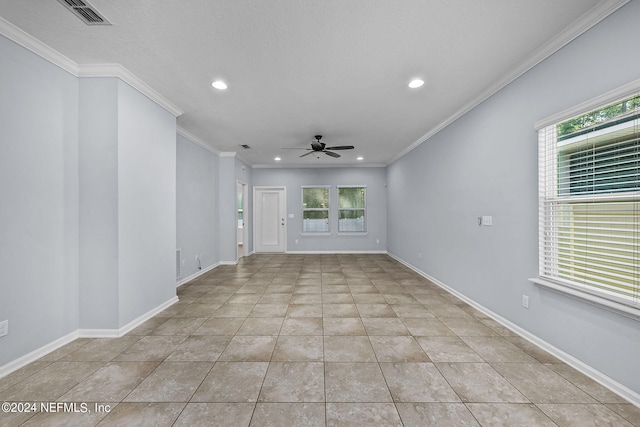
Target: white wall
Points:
(38, 201)
(486, 164)
(293, 179)
(197, 206)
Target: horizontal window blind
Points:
(589, 188)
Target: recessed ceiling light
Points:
(415, 83)
(360, 158)
(277, 159)
(219, 84)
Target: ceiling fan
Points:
(320, 147)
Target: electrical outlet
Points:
(4, 328)
(296, 241)
(377, 241)
(525, 301)
(420, 255)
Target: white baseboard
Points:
(196, 275)
(20, 362)
(117, 333)
(229, 262)
(617, 388)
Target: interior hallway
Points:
(335, 340)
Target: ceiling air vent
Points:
(245, 146)
(85, 11)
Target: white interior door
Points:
(269, 204)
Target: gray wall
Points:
(293, 179)
(146, 204)
(38, 201)
(486, 164)
(88, 212)
(197, 206)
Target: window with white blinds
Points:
(589, 188)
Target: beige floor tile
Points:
(417, 382)
(385, 326)
(304, 310)
(298, 348)
(171, 382)
(339, 310)
(237, 382)
(215, 414)
(289, 414)
(200, 348)
(436, 414)
(497, 349)
(362, 414)
(397, 349)
(329, 339)
(586, 384)
(368, 298)
(178, 326)
(510, 415)
(629, 412)
(448, 349)
(140, 414)
(468, 327)
(375, 310)
(426, 327)
(293, 382)
(233, 310)
(479, 382)
(111, 383)
(302, 326)
(540, 384)
(584, 415)
(76, 414)
(101, 349)
(343, 326)
(345, 298)
(151, 348)
(260, 326)
(219, 326)
(249, 349)
(348, 349)
(310, 298)
(275, 298)
(51, 382)
(355, 382)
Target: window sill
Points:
(319, 233)
(590, 298)
(352, 233)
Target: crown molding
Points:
(579, 27)
(117, 70)
(321, 166)
(227, 154)
(191, 137)
(27, 41)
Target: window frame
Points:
(304, 209)
(364, 209)
(548, 158)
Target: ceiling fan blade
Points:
(329, 153)
(341, 147)
(306, 154)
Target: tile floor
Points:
(330, 340)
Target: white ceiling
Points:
(297, 68)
